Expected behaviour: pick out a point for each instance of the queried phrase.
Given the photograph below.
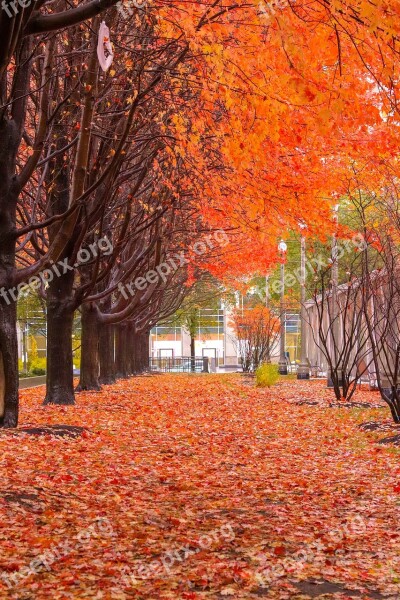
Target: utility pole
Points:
(282, 247)
(303, 371)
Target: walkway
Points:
(202, 486)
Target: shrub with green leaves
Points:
(37, 371)
(267, 375)
(38, 366)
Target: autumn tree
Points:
(21, 48)
(336, 323)
(256, 335)
(282, 88)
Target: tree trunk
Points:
(60, 320)
(9, 140)
(140, 352)
(89, 377)
(60, 292)
(145, 350)
(121, 351)
(8, 365)
(106, 355)
(129, 350)
(135, 353)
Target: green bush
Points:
(36, 371)
(36, 367)
(267, 375)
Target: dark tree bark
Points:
(136, 354)
(60, 320)
(8, 365)
(106, 355)
(60, 293)
(140, 352)
(121, 352)
(9, 141)
(89, 377)
(53, 22)
(146, 349)
(130, 341)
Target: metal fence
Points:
(184, 364)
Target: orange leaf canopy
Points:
(288, 100)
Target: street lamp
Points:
(303, 372)
(282, 367)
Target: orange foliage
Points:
(256, 329)
(292, 98)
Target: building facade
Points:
(214, 338)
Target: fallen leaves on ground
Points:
(200, 486)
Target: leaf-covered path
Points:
(182, 486)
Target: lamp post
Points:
(303, 371)
(282, 367)
(25, 338)
(268, 353)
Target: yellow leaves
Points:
(207, 49)
(216, 50)
(132, 98)
(179, 123)
(229, 101)
(325, 115)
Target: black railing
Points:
(184, 364)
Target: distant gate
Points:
(183, 364)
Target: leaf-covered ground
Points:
(183, 486)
